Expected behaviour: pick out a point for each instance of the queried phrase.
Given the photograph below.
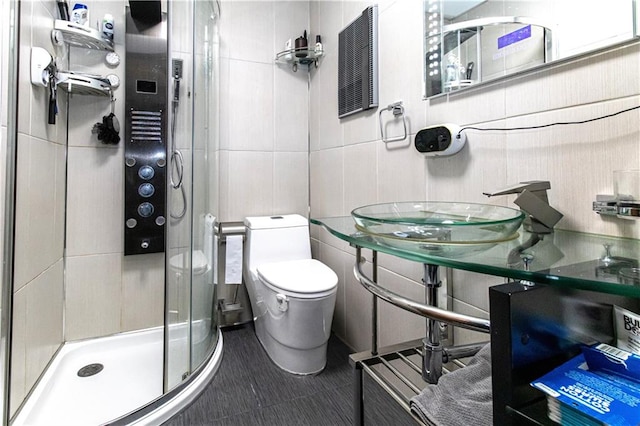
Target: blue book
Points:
(590, 396)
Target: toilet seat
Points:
(305, 278)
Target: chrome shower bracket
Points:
(398, 111)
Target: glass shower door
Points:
(192, 201)
(204, 187)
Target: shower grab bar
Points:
(398, 111)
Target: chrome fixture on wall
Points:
(533, 200)
(176, 174)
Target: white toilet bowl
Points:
(292, 295)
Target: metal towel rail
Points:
(398, 111)
(454, 318)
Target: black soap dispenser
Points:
(301, 46)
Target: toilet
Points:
(291, 294)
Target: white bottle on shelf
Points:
(318, 47)
(288, 48)
(80, 14)
(107, 27)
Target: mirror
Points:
(468, 42)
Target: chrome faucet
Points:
(533, 200)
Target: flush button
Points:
(145, 209)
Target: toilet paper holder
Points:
(233, 301)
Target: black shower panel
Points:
(145, 152)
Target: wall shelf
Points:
(80, 36)
(302, 56)
(83, 84)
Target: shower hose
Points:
(176, 173)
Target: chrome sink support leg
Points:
(374, 306)
(431, 345)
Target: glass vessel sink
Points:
(446, 228)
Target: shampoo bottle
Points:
(318, 48)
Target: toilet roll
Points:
(233, 260)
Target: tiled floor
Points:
(250, 390)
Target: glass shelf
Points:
(301, 56)
(80, 36)
(563, 259)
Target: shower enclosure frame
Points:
(8, 232)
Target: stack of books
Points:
(601, 386)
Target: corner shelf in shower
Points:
(294, 57)
(83, 84)
(80, 36)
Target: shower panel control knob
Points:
(145, 209)
(145, 244)
(146, 190)
(146, 172)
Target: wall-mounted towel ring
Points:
(398, 111)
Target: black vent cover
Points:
(358, 64)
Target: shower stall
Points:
(91, 334)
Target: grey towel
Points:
(462, 397)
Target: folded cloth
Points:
(462, 397)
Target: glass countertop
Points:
(563, 258)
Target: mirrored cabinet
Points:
(475, 41)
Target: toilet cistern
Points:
(533, 200)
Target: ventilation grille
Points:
(146, 126)
(358, 64)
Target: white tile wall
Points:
(396, 325)
(95, 200)
(291, 105)
(250, 189)
(357, 307)
(93, 295)
(39, 207)
(251, 121)
(290, 182)
(44, 324)
(142, 296)
(360, 176)
(18, 350)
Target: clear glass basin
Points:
(439, 227)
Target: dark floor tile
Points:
(250, 418)
(249, 389)
(380, 408)
(314, 410)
